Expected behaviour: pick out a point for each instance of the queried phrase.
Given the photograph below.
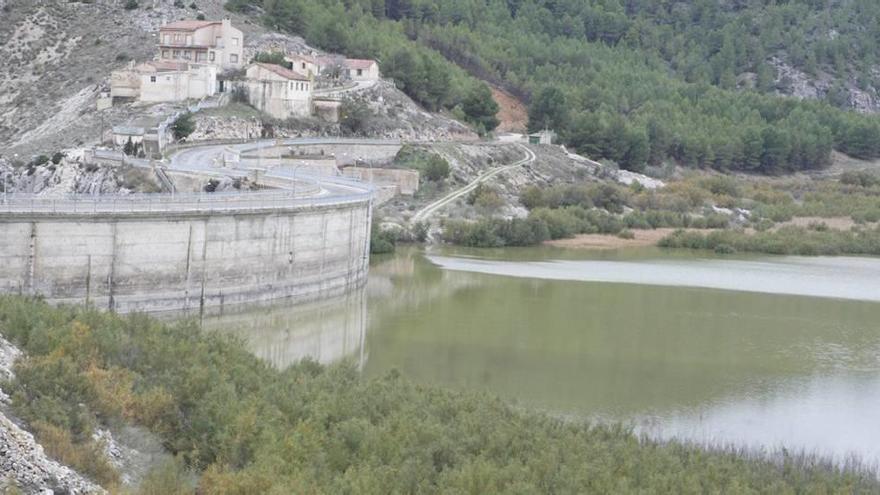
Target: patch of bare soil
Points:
(642, 238)
(512, 113)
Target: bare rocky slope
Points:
(58, 54)
(23, 464)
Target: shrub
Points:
(382, 241)
(183, 126)
(626, 234)
(130, 4)
(437, 168)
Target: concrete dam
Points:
(183, 252)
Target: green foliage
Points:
(789, 240)
(354, 116)
(130, 4)
(245, 427)
(863, 179)
(485, 197)
(57, 157)
(183, 126)
(382, 240)
(480, 109)
(275, 58)
(549, 110)
(636, 81)
(430, 165)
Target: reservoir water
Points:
(760, 352)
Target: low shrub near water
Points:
(787, 240)
(243, 427)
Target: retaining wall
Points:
(179, 260)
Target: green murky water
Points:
(755, 351)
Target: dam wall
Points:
(179, 256)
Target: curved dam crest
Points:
(163, 252)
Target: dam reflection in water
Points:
(325, 331)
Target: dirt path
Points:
(432, 208)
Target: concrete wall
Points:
(186, 260)
(195, 83)
(406, 181)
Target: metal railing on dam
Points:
(172, 203)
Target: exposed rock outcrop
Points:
(23, 464)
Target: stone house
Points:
(278, 91)
(361, 70)
(304, 64)
(214, 43)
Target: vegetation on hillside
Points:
(243, 427)
(626, 81)
(743, 215)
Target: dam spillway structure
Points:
(186, 252)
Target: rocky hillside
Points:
(61, 53)
(58, 54)
(23, 464)
(72, 175)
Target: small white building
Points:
(163, 81)
(361, 70)
(278, 91)
(174, 81)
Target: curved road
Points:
(432, 208)
(205, 160)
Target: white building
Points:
(174, 81)
(361, 70)
(279, 92)
(163, 81)
(214, 43)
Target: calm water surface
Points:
(762, 352)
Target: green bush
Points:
(183, 126)
(245, 427)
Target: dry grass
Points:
(609, 241)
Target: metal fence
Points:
(170, 203)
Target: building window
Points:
(167, 38)
(176, 53)
(234, 41)
(360, 72)
(152, 79)
(187, 55)
(233, 58)
(211, 56)
(165, 53)
(304, 65)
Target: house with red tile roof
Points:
(361, 70)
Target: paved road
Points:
(432, 208)
(206, 160)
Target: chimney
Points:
(226, 23)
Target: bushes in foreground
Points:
(244, 427)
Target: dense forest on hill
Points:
(636, 81)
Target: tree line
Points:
(637, 82)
